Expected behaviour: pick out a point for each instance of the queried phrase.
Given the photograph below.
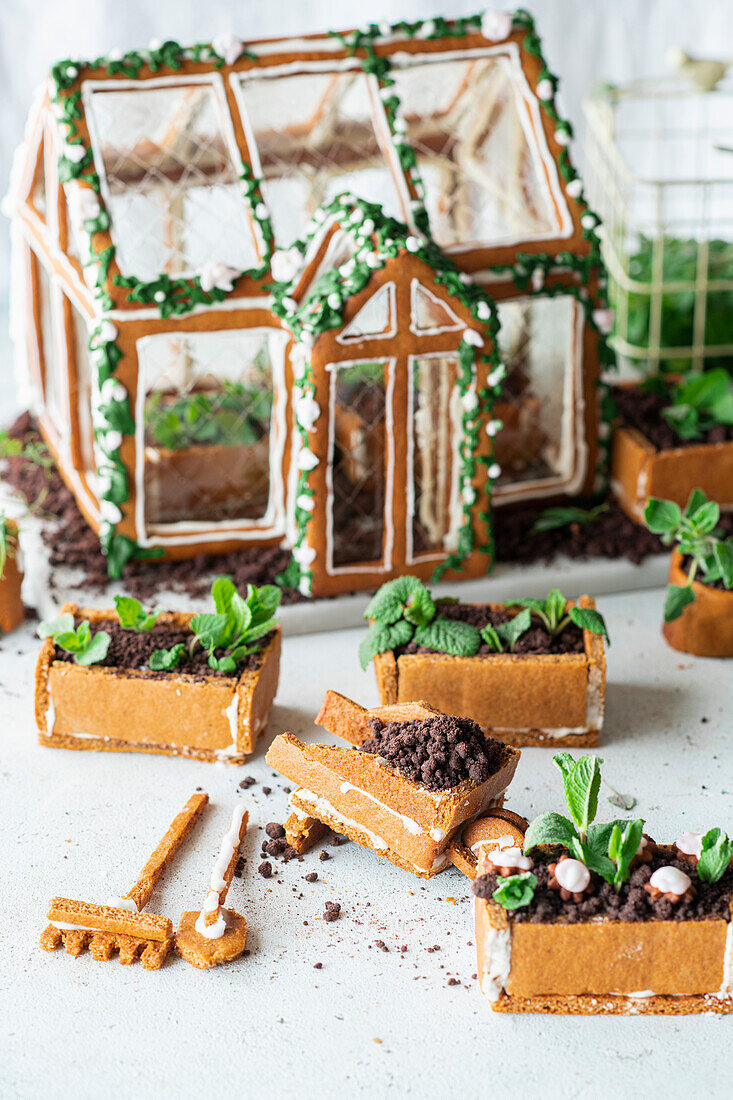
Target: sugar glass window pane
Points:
(429, 314)
(49, 340)
(83, 369)
(208, 407)
(375, 318)
(436, 431)
(38, 190)
(359, 463)
(170, 184)
(315, 136)
(484, 182)
(537, 342)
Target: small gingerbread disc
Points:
(493, 831)
(205, 953)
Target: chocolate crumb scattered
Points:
(324, 855)
(267, 790)
(275, 830)
(337, 841)
(312, 877)
(439, 753)
(248, 781)
(332, 911)
(289, 853)
(381, 945)
(454, 981)
(265, 869)
(318, 966)
(287, 790)
(275, 847)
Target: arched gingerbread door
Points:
(390, 482)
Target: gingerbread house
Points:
(224, 349)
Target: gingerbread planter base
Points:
(640, 471)
(705, 627)
(12, 613)
(602, 966)
(555, 700)
(176, 713)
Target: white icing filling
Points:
(498, 958)
(232, 714)
(726, 989)
(321, 805)
(63, 926)
(572, 875)
(552, 731)
(690, 844)
(50, 715)
(670, 881)
(211, 931)
(409, 824)
(218, 881)
(122, 903)
(511, 857)
(500, 843)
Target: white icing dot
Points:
(588, 221)
(109, 511)
(334, 301)
(493, 427)
(413, 244)
(545, 89)
(469, 401)
(307, 460)
(159, 296)
(574, 188)
(473, 338)
(373, 260)
(510, 857)
(155, 44)
(496, 25)
(107, 332)
(483, 311)
(260, 211)
(305, 502)
(115, 54)
(72, 71)
(670, 881)
(367, 227)
(604, 319)
(690, 844)
(562, 137)
(304, 555)
(572, 875)
(494, 471)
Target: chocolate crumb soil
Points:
(632, 903)
(718, 585)
(130, 651)
(537, 640)
(643, 411)
(439, 753)
(71, 542)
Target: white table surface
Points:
(368, 1023)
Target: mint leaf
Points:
(717, 851)
(588, 619)
(555, 608)
(222, 592)
(511, 631)
(676, 601)
(515, 891)
(582, 781)
(663, 517)
(387, 604)
(164, 659)
(209, 629)
(696, 499)
(380, 638)
(95, 650)
(128, 611)
(420, 608)
(70, 640)
(706, 517)
(723, 554)
(549, 829)
(62, 624)
(492, 639)
(595, 861)
(622, 847)
(449, 636)
(534, 605)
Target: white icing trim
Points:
(240, 530)
(50, 715)
(232, 714)
(498, 959)
(323, 806)
(122, 903)
(385, 565)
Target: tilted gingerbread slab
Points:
(640, 471)
(523, 699)
(209, 718)
(355, 793)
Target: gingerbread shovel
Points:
(215, 934)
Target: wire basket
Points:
(659, 173)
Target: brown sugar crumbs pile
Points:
(438, 752)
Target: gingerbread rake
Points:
(119, 925)
(215, 934)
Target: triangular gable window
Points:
(375, 320)
(38, 197)
(429, 314)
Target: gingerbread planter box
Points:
(555, 697)
(705, 626)
(11, 577)
(586, 917)
(640, 470)
(129, 707)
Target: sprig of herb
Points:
(552, 519)
(238, 623)
(606, 848)
(236, 415)
(697, 536)
(515, 891)
(132, 616)
(717, 852)
(701, 402)
(505, 636)
(88, 648)
(163, 660)
(555, 614)
(8, 542)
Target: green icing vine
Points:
(380, 238)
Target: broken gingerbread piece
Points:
(500, 829)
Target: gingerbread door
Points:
(395, 398)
